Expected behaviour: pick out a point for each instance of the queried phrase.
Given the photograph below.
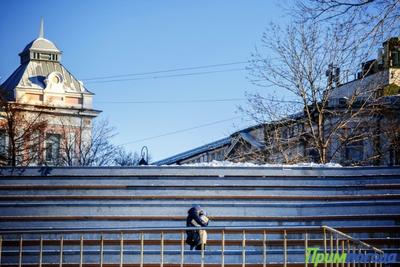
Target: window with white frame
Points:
(52, 148)
(3, 148)
(355, 151)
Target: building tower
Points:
(43, 90)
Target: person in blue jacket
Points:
(196, 218)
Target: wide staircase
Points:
(136, 216)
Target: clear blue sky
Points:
(105, 38)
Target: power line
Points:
(180, 131)
(166, 71)
(174, 101)
(196, 101)
(167, 76)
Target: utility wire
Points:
(166, 76)
(173, 101)
(195, 101)
(180, 131)
(166, 71)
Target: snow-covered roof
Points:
(193, 152)
(244, 134)
(41, 44)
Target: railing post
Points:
(343, 250)
(61, 250)
(1, 246)
(365, 257)
(331, 248)
(264, 249)
(325, 246)
(244, 248)
(337, 248)
(182, 248)
(305, 249)
(348, 251)
(141, 249)
(223, 248)
(81, 252)
(369, 263)
(121, 251)
(41, 251)
(20, 251)
(162, 250)
(101, 250)
(202, 254)
(284, 248)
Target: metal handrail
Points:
(352, 238)
(149, 229)
(242, 231)
(153, 229)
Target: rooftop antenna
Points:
(41, 32)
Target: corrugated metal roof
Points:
(244, 134)
(12, 81)
(193, 152)
(34, 73)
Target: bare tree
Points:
(282, 134)
(390, 128)
(124, 158)
(87, 145)
(301, 64)
(371, 21)
(22, 126)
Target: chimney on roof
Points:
(333, 75)
(41, 31)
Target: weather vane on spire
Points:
(41, 32)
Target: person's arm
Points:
(198, 220)
(205, 220)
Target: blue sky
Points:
(106, 38)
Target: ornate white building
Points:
(47, 94)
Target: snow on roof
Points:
(193, 152)
(244, 133)
(41, 44)
(215, 163)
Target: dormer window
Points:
(55, 78)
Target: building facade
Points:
(369, 133)
(46, 113)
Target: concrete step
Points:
(231, 209)
(200, 191)
(363, 200)
(196, 181)
(123, 221)
(189, 197)
(298, 264)
(168, 171)
(132, 255)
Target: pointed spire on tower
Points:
(41, 32)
